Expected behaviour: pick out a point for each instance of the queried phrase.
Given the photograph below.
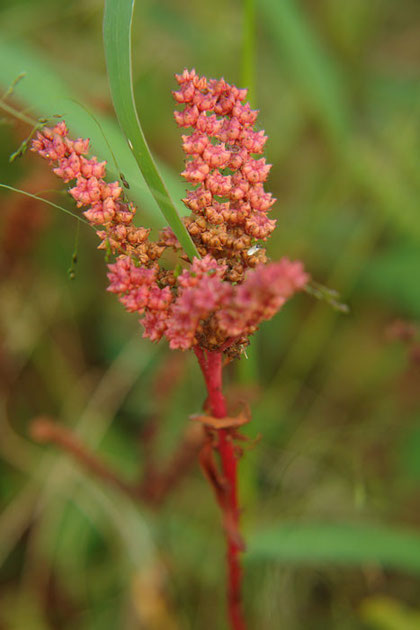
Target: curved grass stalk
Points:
(248, 48)
(117, 40)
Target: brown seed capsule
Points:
(193, 229)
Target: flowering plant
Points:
(213, 303)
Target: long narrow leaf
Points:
(117, 40)
(249, 49)
(339, 544)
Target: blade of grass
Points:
(248, 49)
(343, 544)
(117, 40)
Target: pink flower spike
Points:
(221, 298)
(261, 295)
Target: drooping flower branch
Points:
(216, 302)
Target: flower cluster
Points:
(264, 291)
(220, 299)
(105, 202)
(220, 315)
(229, 204)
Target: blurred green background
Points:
(331, 491)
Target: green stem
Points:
(248, 48)
(117, 40)
(19, 115)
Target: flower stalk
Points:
(225, 483)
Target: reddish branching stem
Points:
(45, 431)
(226, 487)
(155, 486)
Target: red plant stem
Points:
(45, 430)
(155, 486)
(211, 365)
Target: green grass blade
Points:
(117, 40)
(338, 544)
(248, 49)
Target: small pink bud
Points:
(259, 226)
(196, 171)
(256, 171)
(216, 156)
(219, 184)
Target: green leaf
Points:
(384, 613)
(249, 49)
(339, 544)
(117, 40)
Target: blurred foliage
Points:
(384, 613)
(334, 397)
